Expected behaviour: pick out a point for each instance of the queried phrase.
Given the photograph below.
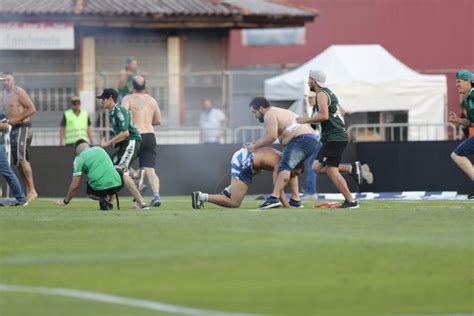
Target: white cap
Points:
(319, 76)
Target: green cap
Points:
(130, 59)
(464, 74)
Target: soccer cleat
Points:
(367, 175)
(470, 196)
(271, 202)
(226, 192)
(347, 204)
(356, 172)
(104, 204)
(295, 203)
(196, 202)
(155, 202)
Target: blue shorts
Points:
(297, 151)
(241, 166)
(466, 148)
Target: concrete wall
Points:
(420, 166)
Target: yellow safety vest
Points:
(76, 126)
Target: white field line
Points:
(114, 299)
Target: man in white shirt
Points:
(212, 122)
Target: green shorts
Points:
(126, 154)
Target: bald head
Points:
(81, 146)
(8, 81)
(139, 83)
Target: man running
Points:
(333, 136)
(127, 139)
(19, 108)
(465, 86)
(145, 114)
(244, 165)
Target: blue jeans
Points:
(311, 176)
(10, 176)
(297, 151)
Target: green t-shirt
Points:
(334, 129)
(97, 165)
(469, 105)
(121, 120)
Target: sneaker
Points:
(295, 203)
(18, 203)
(271, 202)
(197, 203)
(356, 172)
(155, 202)
(226, 191)
(347, 204)
(470, 196)
(104, 204)
(367, 175)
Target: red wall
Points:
(431, 36)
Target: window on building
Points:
(274, 36)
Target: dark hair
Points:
(8, 73)
(114, 95)
(138, 87)
(78, 142)
(258, 102)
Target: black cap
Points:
(107, 93)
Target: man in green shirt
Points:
(333, 136)
(103, 178)
(465, 86)
(127, 138)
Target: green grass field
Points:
(386, 258)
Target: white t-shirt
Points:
(211, 124)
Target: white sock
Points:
(203, 197)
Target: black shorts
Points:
(20, 141)
(331, 153)
(126, 154)
(110, 191)
(147, 153)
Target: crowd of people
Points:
(314, 141)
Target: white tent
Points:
(367, 78)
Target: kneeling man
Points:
(244, 165)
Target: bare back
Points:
(285, 120)
(266, 158)
(145, 111)
(16, 102)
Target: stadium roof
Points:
(159, 13)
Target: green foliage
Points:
(386, 258)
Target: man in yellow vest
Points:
(75, 125)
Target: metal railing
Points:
(49, 136)
(247, 134)
(244, 134)
(389, 132)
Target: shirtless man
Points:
(18, 108)
(244, 165)
(145, 114)
(299, 141)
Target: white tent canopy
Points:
(367, 78)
